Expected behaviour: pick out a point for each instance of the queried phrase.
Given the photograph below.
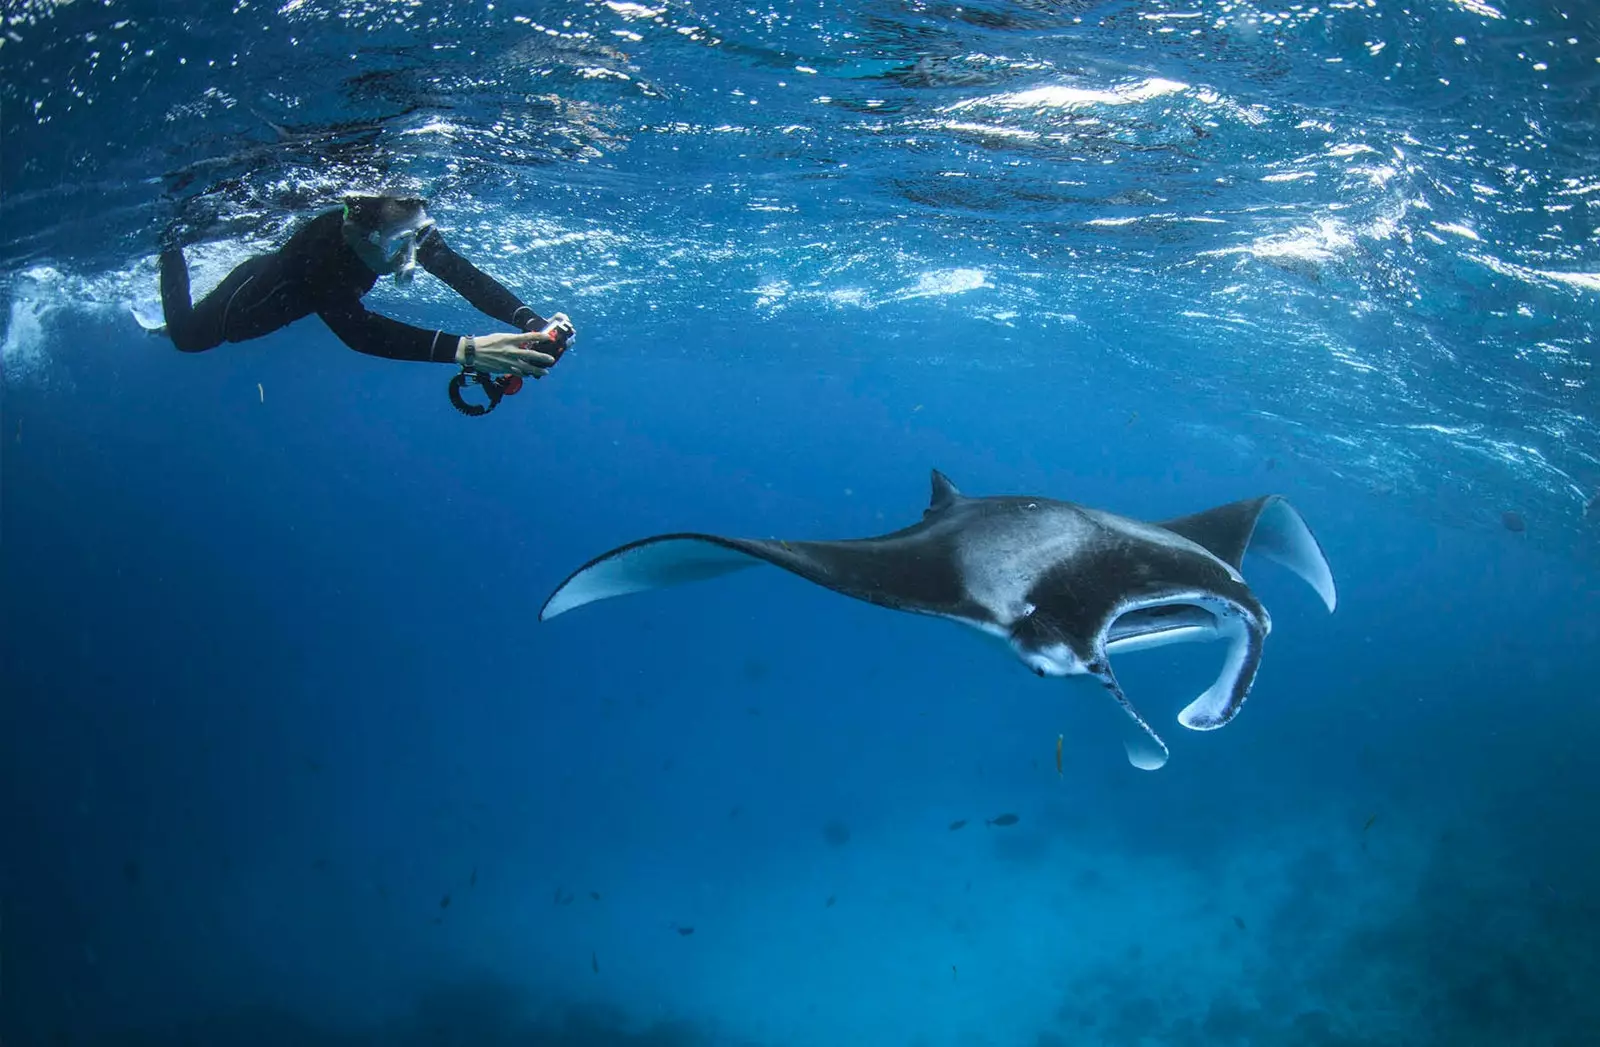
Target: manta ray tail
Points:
(670, 559)
(1269, 527)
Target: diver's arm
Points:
(367, 332)
(484, 292)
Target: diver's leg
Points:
(182, 327)
(203, 325)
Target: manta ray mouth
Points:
(1183, 618)
(1143, 628)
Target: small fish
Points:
(321, 865)
(829, 903)
(262, 392)
(594, 895)
(444, 903)
(952, 972)
(1513, 521)
(473, 882)
(594, 963)
(1004, 819)
(683, 931)
(1272, 463)
(957, 824)
(1238, 922)
(1059, 739)
(1368, 824)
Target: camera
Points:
(561, 334)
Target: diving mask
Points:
(398, 245)
(393, 247)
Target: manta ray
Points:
(1065, 585)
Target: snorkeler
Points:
(326, 267)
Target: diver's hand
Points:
(503, 354)
(557, 332)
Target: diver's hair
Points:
(381, 212)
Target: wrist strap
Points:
(471, 361)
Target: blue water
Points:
(288, 758)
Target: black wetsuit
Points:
(317, 272)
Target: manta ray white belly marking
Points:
(1064, 585)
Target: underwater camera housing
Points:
(561, 334)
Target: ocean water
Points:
(288, 757)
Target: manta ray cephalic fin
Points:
(1143, 745)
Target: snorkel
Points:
(383, 232)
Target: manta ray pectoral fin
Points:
(890, 571)
(1269, 527)
(1281, 535)
(655, 563)
(1246, 636)
(1143, 745)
